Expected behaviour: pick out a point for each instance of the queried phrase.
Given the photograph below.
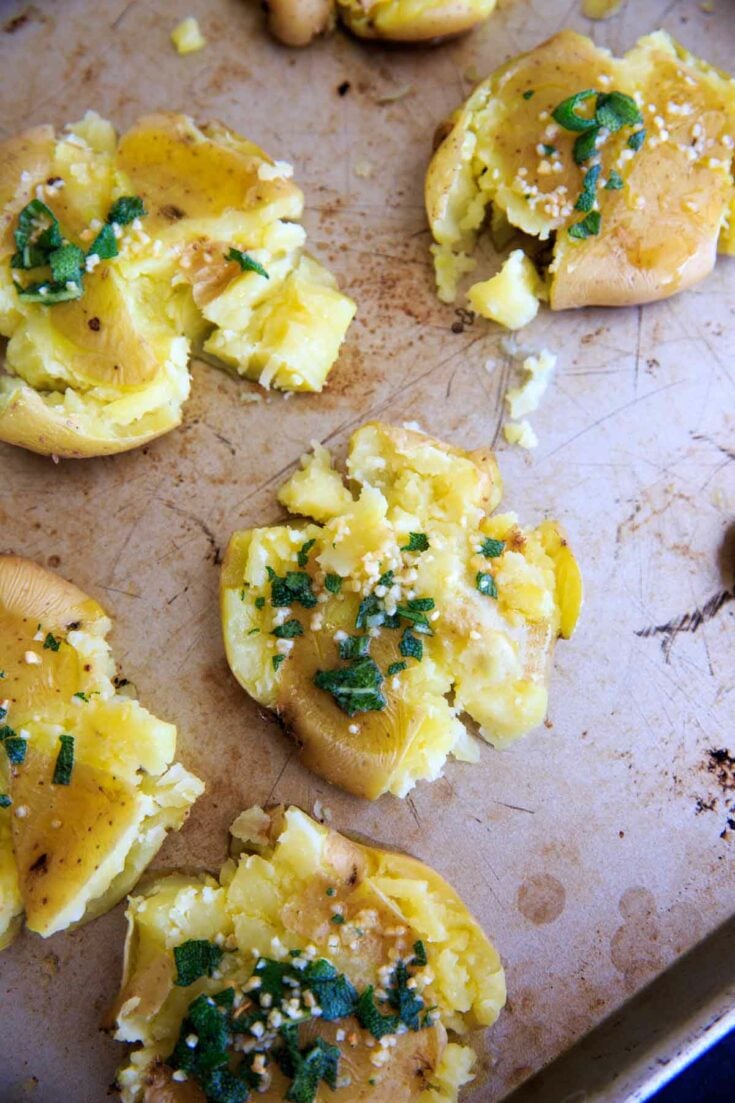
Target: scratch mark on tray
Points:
(613, 413)
(281, 772)
(516, 807)
(686, 622)
(414, 811)
(203, 527)
(116, 22)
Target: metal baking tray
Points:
(597, 851)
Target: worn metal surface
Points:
(597, 850)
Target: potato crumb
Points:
(187, 36)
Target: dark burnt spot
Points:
(16, 22)
(343, 88)
(40, 865)
(172, 213)
(352, 879)
(94, 324)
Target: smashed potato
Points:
(297, 22)
(622, 165)
(357, 629)
(88, 786)
(316, 968)
(119, 256)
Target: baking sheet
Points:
(597, 850)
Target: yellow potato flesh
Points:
(491, 652)
(659, 231)
(108, 372)
(283, 892)
(74, 849)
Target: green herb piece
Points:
(396, 668)
(333, 583)
(419, 954)
(5, 800)
(15, 746)
(246, 262)
(548, 150)
(295, 588)
(529, 93)
(410, 646)
(36, 236)
(49, 293)
(491, 549)
(355, 688)
(306, 1067)
(486, 584)
(417, 616)
(417, 542)
(371, 1018)
(126, 209)
(615, 110)
(253, 632)
(586, 200)
(354, 647)
(223, 1086)
(51, 643)
(337, 919)
(614, 181)
(566, 112)
(334, 993)
(277, 660)
(635, 142)
(420, 604)
(82, 696)
(331, 891)
(208, 1018)
(403, 999)
(289, 630)
(260, 602)
(104, 245)
(303, 555)
(387, 579)
(64, 761)
(67, 263)
(194, 959)
(370, 613)
(588, 227)
(585, 146)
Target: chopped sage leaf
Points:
(354, 647)
(586, 200)
(333, 583)
(417, 542)
(294, 588)
(15, 746)
(615, 110)
(5, 800)
(64, 761)
(491, 549)
(126, 209)
(303, 555)
(277, 660)
(635, 142)
(194, 959)
(289, 630)
(486, 584)
(614, 181)
(529, 93)
(566, 112)
(588, 227)
(51, 643)
(410, 646)
(246, 262)
(355, 688)
(396, 668)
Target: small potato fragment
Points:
(356, 629)
(624, 165)
(75, 833)
(512, 297)
(313, 935)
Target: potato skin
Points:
(411, 22)
(299, 22)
